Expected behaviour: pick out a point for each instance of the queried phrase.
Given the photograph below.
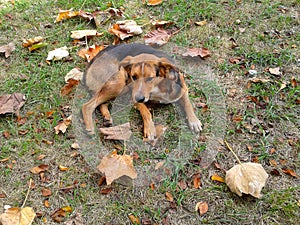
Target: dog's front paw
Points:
(150, 132)
(195, 125)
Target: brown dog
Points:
(151, 75)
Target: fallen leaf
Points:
(126, 28)
(40, 157)
(201, 23)
(160, 23)
(120, 132)
(202, 207)
(60, 214)
(31, 41)
(46, 203)
(17, 216)
(39, 169)
(159, 165)
(7, 49)
(3, 195)
(275, 172)
(63, 125)
(11, 103)
(154, 2)
(63, 168)
(202, 52)
(37, 46)
(78, 34)
(58, 54)
(158, 37)
(216, 177)
(290, 172)
(273, 162)
(74, 74)
(91, 52)
(65, 14)
(248, 178)
(197, 181)
(106, 191)
(46, 192)
(134, 219)
(115, 166)
(74, 220)
(259, 80)
(67, 89)
(275, 71)
(294, 82)
(169, 197)
(5, 159)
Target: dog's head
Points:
(152, 78)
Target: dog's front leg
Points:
(194, 123)
(149, 128)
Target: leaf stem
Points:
(229, 147)
(30, 181)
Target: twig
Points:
(228, 146)
(30, 181)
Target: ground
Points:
(259, 118)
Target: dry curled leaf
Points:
(157, 37)
(202, 207)
(39, 169)
(91, 52)
(169, 197)
(216, 177)
(63, 125)
(126, 28)
(46, 192)
(248, 178)
(201, 23)
(74, 220)
(275, 71)
(121, 132)
(63, 168)
(65, 14)
(290, 172)
(11, 103)
(67, 89)
(134, 219)
(58, 54)
(74, 74)
(60, 214)
(31, 41)
(17, 216)
(7, 49)
(154, 2)
(115, 166)
(202, 52)
(78, 34)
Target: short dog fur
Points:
(152, 76)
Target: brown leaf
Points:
(47, 204)
(46, 192)
(294, 82)
(106, 191)
(39, 169)
(4, 159)
(202, 52)
(120, 132)
(196, 181)
(31, 41)
(216, 177)
(17, 216)
(7, 49)
(3, 195)
(157, 37)
(169, 197)
(67, 89)
(63, 125)
(201, 23)
(115, 166)
(60, 214)
(182, 184)
(6, 134)
(11, 103)
(91, 52)
(275, 172)
(248, 178)
(202, 207)
(154, 2)
(290, 172)
(134, 219)
(126, 28)
(40, 157)
(65, 14)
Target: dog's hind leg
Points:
(107, 120)
(149, 128)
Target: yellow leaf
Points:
(31, 41)
(63, 168)
(17, 216)
(201, 23)
(65, 14)
(154, 2)
(134, 219)
(248, 178)
(115, 166)
(216, 177)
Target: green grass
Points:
(270, 39)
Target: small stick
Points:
(30, 181)
(228, 146)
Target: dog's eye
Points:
(149, 79)
(157, 72)
(134, 77)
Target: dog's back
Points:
(106, 63)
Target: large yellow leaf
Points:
(248, 178)
(17, 216)
(115, 166)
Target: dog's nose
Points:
(140, 98)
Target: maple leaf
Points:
(17, 216)
(121, 132)
(65, 14)
(91, 52)
(159, 37)
(126, 28)
(78, 34)
(11, 103)
(248, 178)
(202, 52)
(58, 54)
(7, 49)
(115, 166)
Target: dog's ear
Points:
(167, 69)
(126, 63)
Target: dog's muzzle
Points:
(139, 98)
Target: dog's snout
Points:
(140, 98)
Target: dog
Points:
(150, 73)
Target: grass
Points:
(266, 33)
